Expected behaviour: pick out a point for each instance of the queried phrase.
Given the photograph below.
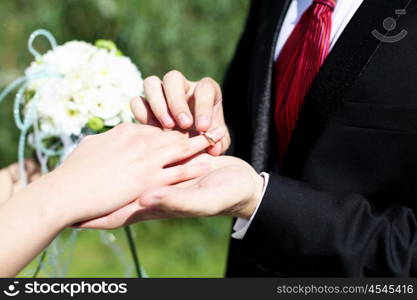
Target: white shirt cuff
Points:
(242, 225)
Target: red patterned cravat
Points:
(298, 64)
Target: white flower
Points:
(77, 81)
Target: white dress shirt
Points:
(343, 13)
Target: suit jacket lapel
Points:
(344, 64)
(271, 18)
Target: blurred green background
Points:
(197, 37)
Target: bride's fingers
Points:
(116, 219)
(187, 147)
(13, 171)
(216, 149)
(186, 172)
(129, 130)
(31, 168)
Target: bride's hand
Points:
(104, 173)
(109, 170)
(232, 188)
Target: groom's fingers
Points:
(204, 100)
(186, 148)
(175, 88)
(155, 96)
(207, 93)
(142, 112)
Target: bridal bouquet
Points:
(73, 90)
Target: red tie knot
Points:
(329, 3)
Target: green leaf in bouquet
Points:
(52, 142)
(29, 94)
(108, 45)
(53, 162)
(95, 124)
(104, 129)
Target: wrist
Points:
(249, 208)
(43, 198)
(28, 226)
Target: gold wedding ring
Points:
(211, 141)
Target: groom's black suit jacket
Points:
(344, 203)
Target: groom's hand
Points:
(175, 101)
(233, 188)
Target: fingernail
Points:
(203, 122)
(184, 119)
(216, 134)
(167, 120)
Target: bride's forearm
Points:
(28, 223)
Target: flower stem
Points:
(39, 266)
(133, 251)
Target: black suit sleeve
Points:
(302, 231)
